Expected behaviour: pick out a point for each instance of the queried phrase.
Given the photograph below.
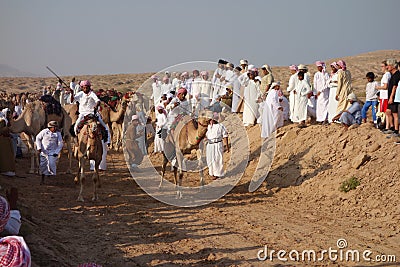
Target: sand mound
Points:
(312, 163)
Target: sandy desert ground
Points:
(299, 207)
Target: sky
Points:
(78, 37)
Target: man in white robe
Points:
(292, 85)
(205, 91)
(161, 121)
(218, 77)
(251, 94)
(302, 90)
(49, 144)
(196, 90)
(321, 85)
(88, 104)
(236, 89)
(332, 103)
(186, 82)
(179, 107)
(157, 93)
(312, 104)
(286, 108)
(244, 64)
(176, 81)
(272, 111)
(228, 76)
(216, 135)
(166, 86)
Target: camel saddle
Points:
(52, 106)
(91, 117)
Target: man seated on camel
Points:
(352, 115)
(180, 107)
(88, 103)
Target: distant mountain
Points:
(8, 71)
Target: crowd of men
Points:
(327, 98)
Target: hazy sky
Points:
(107, 37)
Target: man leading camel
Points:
(88, 103)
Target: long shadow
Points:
(128, 218)
(281, 178)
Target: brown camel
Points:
(187, 136)
(89, 148)
(105, 112)
(32, 120)
(116, 120)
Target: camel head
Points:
(31, 120)
(204, 118)
(202, 124)
(33, 113)
(124, 102)
(93, 129)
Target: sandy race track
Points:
(299, 208)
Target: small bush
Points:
(349, 184)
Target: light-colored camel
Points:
(187, 136)
(32, 120)
(89, 148)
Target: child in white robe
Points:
(161, 121)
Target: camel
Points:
(116, 120)
(32, 120)
(89, 148)
(187, 136)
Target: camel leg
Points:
(115, 138)
(82, 177)
(69, 149)
(96, 182)
(200, 160)
(36, 157)
(175, 176)
(32, 152)
(77, 177)
(32, 169)
(179, 192)
(119, 143)
(179, 182)
(164, 166)
(111, 136)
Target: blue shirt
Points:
(355, 110)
